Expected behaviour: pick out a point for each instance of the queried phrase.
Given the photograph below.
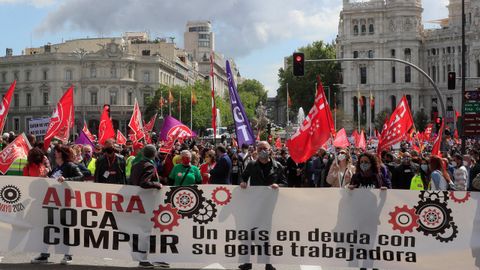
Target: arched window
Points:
(393, 102)
(355, 109)
(364, 29)
(408, 74)
(355, 30)
(371, 29)
(409, 100)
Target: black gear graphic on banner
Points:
(441, 196)
(207, 213)
(188, 200)
(434, 217)
(453, 234)
(10, 194)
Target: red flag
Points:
(455, 134)
(212, 83)
(377, 135)
(170, 97)
(105, 129)
(401, 121)
(428, 132)
(121, 138)
(60, 122)
(136, 122)
(17, 149)
(6, 105)
(234, 142)
(87, 132)
(315, 131)
(278, 143)
(438, 141)
(193, 98)
(149, 126)
(341, 139)
(362, 143)
(289, 100)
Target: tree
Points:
(381, 118)
(302, 89)
(421, 120)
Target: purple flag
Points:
(83, 139)
(173, 129)
(243, 129)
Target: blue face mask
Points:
(365, 167)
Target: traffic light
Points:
(438, 123)
(298, 64)
(452, 76)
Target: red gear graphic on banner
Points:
(219, 200)
(184, 200)
(165, 218)
(453, 196)
(432, 217)
(403, 219)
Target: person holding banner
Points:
(185, 174)
(66, 170)
(367, 173)
(36, 166)
(341, 171)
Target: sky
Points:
(257, 34)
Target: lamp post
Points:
(462, 126)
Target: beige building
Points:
(394, 29)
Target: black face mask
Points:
(108, 150)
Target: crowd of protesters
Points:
(192, 162)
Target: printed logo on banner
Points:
(431, 215)
(10, 196)
(189, 202)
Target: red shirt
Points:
(36, 170)
(204, 170)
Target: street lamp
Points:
(462, 127)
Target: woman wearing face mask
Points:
(185, 174)
(341, 171)
(367, 174)
(440, 178)
(207, 166)
(460, 173)
(420, 179)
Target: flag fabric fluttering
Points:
(136, 123)
(87, 132)
(121, 139)
(60, 122)
(5, 106)
(400, 123)
(438, 140)
(355, 136)
(173, 129)
(105, 128)
(428, 132)
(315, 131)
(83, 139)
(170, 96)
(278, 143)
(193, 98)
(289, 100)
(19, 148)
(341, 140)
(362, 143)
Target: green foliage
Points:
(250, 91)
(381, 118)
(302, 89)
(421, 120)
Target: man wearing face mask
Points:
(403, 174)
(264, 171)
(88, 161)
(460, 173)
(220, 174)
(110, 168)
(185, 174)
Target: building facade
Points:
(394, 29)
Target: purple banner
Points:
(83, 139)
(243, 129)
(173, 129)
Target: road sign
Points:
(471, 119)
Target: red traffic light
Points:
(299, 58)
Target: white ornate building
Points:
(111, 71)
(394, 29)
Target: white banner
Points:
(39, 126)
(225, 224)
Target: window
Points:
(45, 98)
(16, 75)
(371, 29)
(444, 73)
(448, 50)
(355, 109)
(204, 36)
(434, 52)
(93, 98)
(146, 98)
(355, 30)
(478, 68)
(393, 75)
(93, 72)
(393, 103)
(355, 54)
(408, 54)
(434, 73)
(28, 74)
(4, 76)
(16, 124)
(392, 53)
(130, 98)
(363, 75)
(130, 72)
(113, 72)
(27, 121)
(204, 44)
(45, 75)
(113, 97)
(364, 29)
(68, 75)
(29, 99)
(408, 74)
(146, 76)
(409, 100)
(371, 54)
(16, 100)
(449, 68)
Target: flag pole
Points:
(288, 118)
(370, 118)
(191, 109)
(180, 107)
(161, 104)
(358, 107)
(169, 103)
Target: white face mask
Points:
(454, 164)
(465, 163)
(341, 157)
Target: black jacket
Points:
(70, 172)
(118, 166)
(145, 175)
(254, 173)
(220, 174)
